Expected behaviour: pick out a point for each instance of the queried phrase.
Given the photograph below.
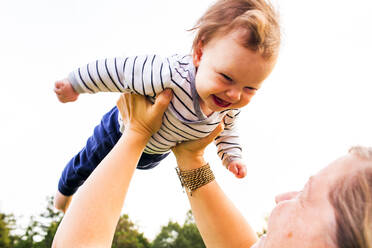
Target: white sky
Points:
(313, 107)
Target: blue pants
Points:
(104, 138)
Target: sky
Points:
(312, 108)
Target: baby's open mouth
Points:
(220, 102)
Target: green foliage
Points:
(175, 236)
(6, 225)
(127, 236)
(49, 226)
(264, 229)
(40, 232)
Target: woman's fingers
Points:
(207, 140)
(162, 101)
(198, 146)
(123, 106)
(138, 112)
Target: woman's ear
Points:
(197, 54)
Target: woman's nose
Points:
(286, 196)
(233, 94)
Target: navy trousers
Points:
(104, 138)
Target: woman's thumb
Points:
(163, 99)
(213, 134)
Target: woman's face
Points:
(306, 218)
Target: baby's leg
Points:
(104, 138)
(149, 161)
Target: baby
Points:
(234, 50)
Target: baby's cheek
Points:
(246, 100)
(241, 104)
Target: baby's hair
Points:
(255, 19)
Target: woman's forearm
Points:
(218, 220)
(94, 211)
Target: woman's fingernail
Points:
(168, 92)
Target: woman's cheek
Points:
(281, 214)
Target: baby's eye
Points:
(250, 90)
(226, 77)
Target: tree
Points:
(6, 224)
(264, 228)
(43, 229)
(167, 236)
(27, 239)
(127, 236)
(51, 219)
(175, 236)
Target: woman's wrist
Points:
(193, 179)
(139, 138)
(190, 162)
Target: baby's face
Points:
(228, 74)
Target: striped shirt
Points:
(149, 75)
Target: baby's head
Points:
(234, 50)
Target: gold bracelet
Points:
(195, 178)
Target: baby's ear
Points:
(197, 53)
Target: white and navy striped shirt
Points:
(149, 75)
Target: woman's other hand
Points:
(189, 154)
(140, 115)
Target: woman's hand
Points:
(139, 115)
(219, 222)
(189, 154)
(95, 209)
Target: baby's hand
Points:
(65, 92)
(238, 168)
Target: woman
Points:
(333, 210)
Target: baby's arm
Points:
(228, 146)
(145, 75)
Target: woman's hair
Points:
(255, 19)
(351, 198)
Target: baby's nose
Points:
(233, 95)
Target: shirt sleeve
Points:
(228, 142)
(145, 75)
